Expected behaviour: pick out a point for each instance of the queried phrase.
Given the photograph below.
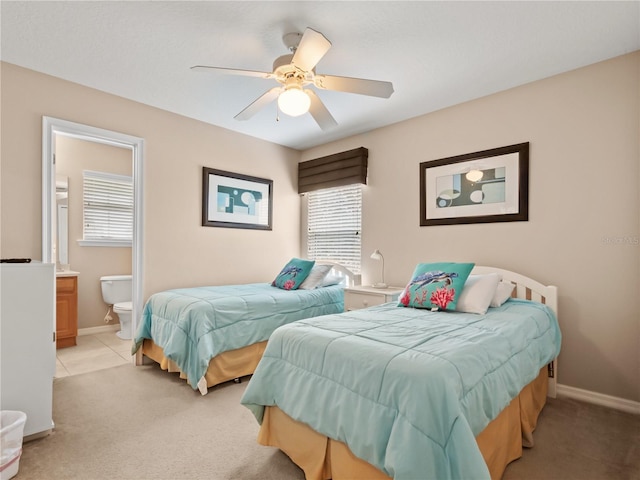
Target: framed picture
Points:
(233, 200)
(480, 187)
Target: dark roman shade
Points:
(335, 170)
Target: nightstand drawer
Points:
(355, 301)
(363, 296)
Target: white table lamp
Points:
(378, 256)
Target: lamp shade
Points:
(376, 255)
(294, 101)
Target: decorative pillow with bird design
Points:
(293, 274)
(436, 286)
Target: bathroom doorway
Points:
(55, 128)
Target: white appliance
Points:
(28, 349)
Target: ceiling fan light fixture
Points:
(296, 70)
(294, 101)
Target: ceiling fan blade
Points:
(319, 112)
(312, 47)
(374, 88)
(232, 71)
(258, 104)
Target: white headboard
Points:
(351, 279)
(526, 288)
(529, 289)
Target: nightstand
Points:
(362, 296)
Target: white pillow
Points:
(477, 293)
(503, 293)
(332, 280)
(315, 277)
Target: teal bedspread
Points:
(406, 389)
(193, 325)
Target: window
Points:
(107, 209)
(333, 223)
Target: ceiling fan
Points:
(297, 70)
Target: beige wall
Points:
(72, 157)
(583, 127)
(583, 228)
(178, 251)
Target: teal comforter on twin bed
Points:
(193, 325)
(406, 389)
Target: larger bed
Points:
(407, 393)
(213, 334)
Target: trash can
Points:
(11, 430)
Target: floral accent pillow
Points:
(293, 274)
(436, 286)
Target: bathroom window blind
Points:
(107, 207)
(334, 218)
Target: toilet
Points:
(117, 291)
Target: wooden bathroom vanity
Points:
(66, 308)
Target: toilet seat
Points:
(123, 307)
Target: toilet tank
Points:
(116, 288)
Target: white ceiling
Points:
(437, 54)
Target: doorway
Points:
(52, 127)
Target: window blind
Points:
(337, 170)
(107, 206)
(334, 219)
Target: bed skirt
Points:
(222, 368)
(322, 458)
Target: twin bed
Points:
(407, 393)
(213, 334)
(404, 393)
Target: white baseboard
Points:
(102, 329)
(616, 403)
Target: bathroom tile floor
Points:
(92, 352)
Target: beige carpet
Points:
(142, 423)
